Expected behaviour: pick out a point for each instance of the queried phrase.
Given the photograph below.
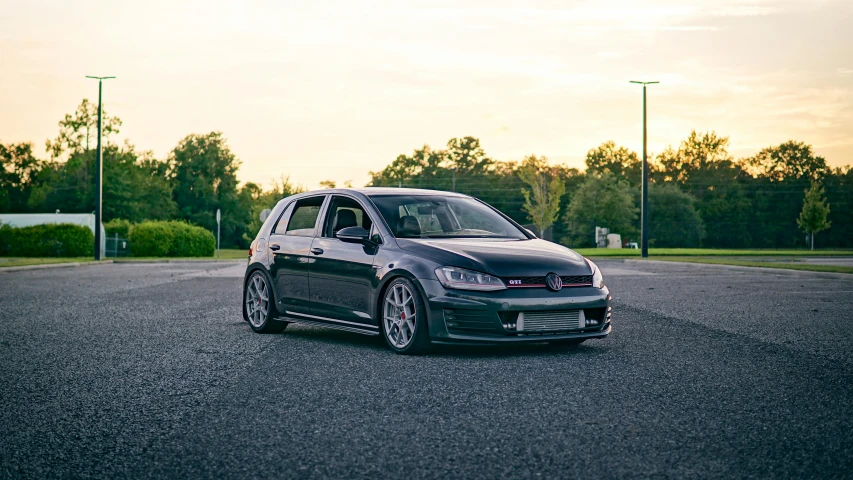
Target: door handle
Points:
(274, 247)
(317, 251)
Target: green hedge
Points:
(48, 240)
(119, 226)
(170, 239)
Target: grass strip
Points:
(709, 252)
(746, 263)
(225, 254)
(24, 261)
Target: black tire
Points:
(419, 342)
(259, 313)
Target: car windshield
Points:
(436, 216)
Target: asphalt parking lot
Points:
(147, 370)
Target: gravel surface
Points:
(148, 371)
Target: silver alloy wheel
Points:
(257, 300)
(399, 315)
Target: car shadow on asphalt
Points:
(331, 336)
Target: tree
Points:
(779, 171)
(696, 161)
(838, 183)
(703, 168)
(601, 200)
(204, 174)
(328, 184)
(136, 186)
(791, 160)
(18, 174)
(466, 161)
(542, 198)
(460, 168)
(78, 132)
(424, 169)
(673, 219)
(618, 160)
(815, 210)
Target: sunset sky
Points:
(332, 90)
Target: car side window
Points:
(302, 217)
(345, 212)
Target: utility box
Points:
(614, 240)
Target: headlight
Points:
(452, 277)
(597, 278)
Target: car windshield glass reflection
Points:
(434, 216)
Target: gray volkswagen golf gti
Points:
(418, 267)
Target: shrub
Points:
(192, 241)
(150, 239)
(47, 240)
(119, 226)
(170, 239)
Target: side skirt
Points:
(318, 323)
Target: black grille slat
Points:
(475, 321)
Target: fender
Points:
(387, 277)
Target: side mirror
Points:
(353, 235)
(531, 232)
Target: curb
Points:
(778, 271)
(166, 260)
(42, 266)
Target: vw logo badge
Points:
(554, 282)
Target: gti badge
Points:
(554, 282)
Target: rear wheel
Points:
(404, 322)
(258, 309)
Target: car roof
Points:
(370, 191)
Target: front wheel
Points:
(258, 309)
(404, 322)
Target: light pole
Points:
(99, 169)
(644, 212)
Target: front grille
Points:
(550, 320)
(577, 280)
(539, 282)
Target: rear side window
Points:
(281, 225)
(301, 218)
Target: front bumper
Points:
(467, 317)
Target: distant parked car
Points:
(418, 267)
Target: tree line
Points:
(699, 194)
(198, 177)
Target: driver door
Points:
(342, 274)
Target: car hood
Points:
(503, 258)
